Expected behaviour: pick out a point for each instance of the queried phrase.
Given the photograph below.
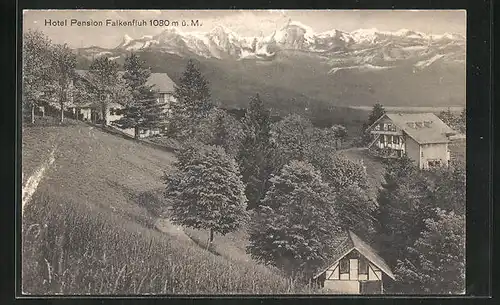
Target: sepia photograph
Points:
(243, 152)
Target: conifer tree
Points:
(193, 102)
(206, 191)
(143, 109)
(295, 224)
(377, 111)
(255, 155)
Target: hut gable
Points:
(348, 243)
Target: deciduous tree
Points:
(296, 222)
(36, 76)
(63, 74)
(221, 129)
(435, 263)
(450, 189)
(206, 191)
(340, 133)
(107, 85)
(356, 211)
(292, 136)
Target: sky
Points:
(243, 22)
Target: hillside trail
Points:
(165, 225)
(352, 149)
(31, 185)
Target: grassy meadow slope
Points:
(90, 226)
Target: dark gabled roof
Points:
(161, 82)
(433, 131)
(370, 254)
(347, 242)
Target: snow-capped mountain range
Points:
(363, 49)
(403, 67)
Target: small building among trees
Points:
(89, 110)
(423, 137)
(353, 268)
(164, 88)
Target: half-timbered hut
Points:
(353, 268)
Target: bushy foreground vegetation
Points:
(70, 248)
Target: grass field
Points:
(91, 226)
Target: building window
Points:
(363, 266)
(395, 140)
(434, 163)
(382, 139)
(344, 265)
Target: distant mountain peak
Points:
(127, 38)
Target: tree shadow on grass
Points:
(151, 204)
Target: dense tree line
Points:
(300, 193)
(422, 227)
(289, 170)
(457, 121)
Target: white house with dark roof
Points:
(423, 137)
(353, 268)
